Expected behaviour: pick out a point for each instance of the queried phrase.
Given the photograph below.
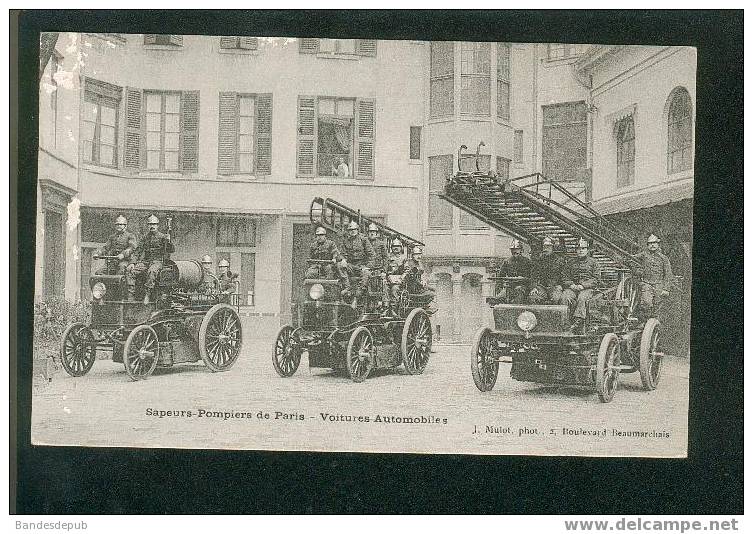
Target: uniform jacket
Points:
(396, 263)
(655, 269)
(547, 270)
(124, 243)
(380, 254)
(358, 251)
(581, 271)
(155, 247)
(516, 266)
(227, 281)
(324, 251)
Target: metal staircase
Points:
(531, 207)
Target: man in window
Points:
(119, 245)
(358, 256)
(340, 168)
(656, 277)
(579, 279)
(154, 249)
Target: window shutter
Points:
(366, 47)
(189, 117)
(365, 136)
(308, 46)
(132, 155)
(263, 159)
(228, 42)
(176, 40)
(249, 43)
(306, 135)
(228, 134)
(150, 38)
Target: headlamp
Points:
(527, 321)
(316, 291)
(99, 290)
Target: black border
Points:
(82, 480)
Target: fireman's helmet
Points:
(121, 220)
(353, 225)
(320, 230)
(515, 244)
(548, 241)
(653, 238)
(206, 259)
(373, 228)
(396, 243)
(417, 250)
(223, 263)
(582, 243)
(152, 220)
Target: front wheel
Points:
(484, 363)
(286, 355)
(360, 354)
(220, 337)
(77, 349)
(416, 341)
(607, 367)
(141, 352)
(650, 357)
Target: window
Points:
(336, 137)
(564, 51)
(337, 46)
(415, 142)
(163, 39)
(517, 146)
(239, 42)
(347, 47)
(442, 82)
(475, 69)
(680, 132)
(165, 136)
(564, 140)
(503, 168)
(625, 130)
(236, 232)
(440, 211)
(245, 134)
(503, 81)
(99, 123)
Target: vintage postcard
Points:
(363, 245)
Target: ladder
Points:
(532, 207)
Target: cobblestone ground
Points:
(319, 410)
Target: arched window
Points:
(625, 130)
(679, 132)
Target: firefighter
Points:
(208, 282)
(416, 273)
(579, 280)
(226, 277)
(380, 249)
(517, 265)
(154, 248)
(546, 275)
(323, 248)
(394, 273)
(656, 277)
(121, 244)
(358, 257)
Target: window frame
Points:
(439, 78)
(475, 75)
(623, 163)
(235, 244)
(351, 155)
(239, 97)
(162, 130)
(504, 80)
(678, 93)
(435, 193)
(411, 140)
(100, 101)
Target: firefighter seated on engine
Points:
(358, 260)
(324, 249)
(517, 272)
(416, 278)
(395, 272)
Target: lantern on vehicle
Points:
(316, 291)
(99, 290)
(527, 321)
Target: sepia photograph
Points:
(363, 245)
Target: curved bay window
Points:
(625, 131)
(679, 132)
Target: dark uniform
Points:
(380, 254)
(118, 243)
(326, 250)
(360, 257)
(153, 251)
(517, 265)
(546, 278)
(227, 281)
(656, 277)
(579, 271)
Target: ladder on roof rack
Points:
(531, 207)
(336, 217)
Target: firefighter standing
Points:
(154, 249)
(546, 275)
(579, 280)
(656, 277)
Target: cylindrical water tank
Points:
(190, 273)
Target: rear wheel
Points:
(286, 355)
(77, 349)
(416, 341)
(220, 337)
(607, 367)
(650, 357)
(141, 352)
(360, 354)
(484, 363)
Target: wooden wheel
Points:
(416, 341)
(220, 337)
(77, 349)
(359, 358)
(626, 297)
(286, 354)
(484, 363)
(607, 367)
(141, 352)
(650, 357)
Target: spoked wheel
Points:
(220, 337)
(77, 349)
(286, 356)
(650, 356)
(416, 341)
(484, 363)
(401, 303)
(359, 357)
(141, 352)
(627, 298)
(607, 367)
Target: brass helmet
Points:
(121, 220)
(417, 250)
(548, 241)
(515, 244)
(582, 243)
(353, 225)
(152, 220)
(653, 238)
(373, 227)
(396, 243)
(206, 259)
(321, 230)
(223, 263)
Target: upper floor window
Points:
(99, 122)
(517, 146)
(442, 79)
(239, 42)
(503, 80)
(415, 142)
(440, 211)
(245, 134)
(346, 47)
(625, 131)
(236, 232)
(564, 51)
(162, 131)
(679, 132)
(475, 69)
(163, 39)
